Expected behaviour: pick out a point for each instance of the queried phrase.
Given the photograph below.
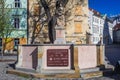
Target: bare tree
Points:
(52, 19)
(5, 23)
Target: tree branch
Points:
(47, 9)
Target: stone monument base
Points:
(55, 75)
(60, 35)
(60, 60)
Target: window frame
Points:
(17, 4)
(17, 22)
(16, 41)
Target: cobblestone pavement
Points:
(5, 65)
(4, 76)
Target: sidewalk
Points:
(8, 57)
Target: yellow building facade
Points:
(76, 24)
(10, 44)
(15, 30)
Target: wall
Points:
(10, 44)
(10, 3)
(21, 13)
(76, 23)
(77, 28)
(116, 36)
(28, 57)
(96, 24)
(89, 56)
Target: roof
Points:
(115, 17)
(96, 12)
(109, 20)
(117, 27)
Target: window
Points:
(97, 20)
(16, 41)
(17, 3)
(97, 39)
(101, 30)
(95, 29)
(100, 21)
(93, 39)
(93, 19)
(78, 27)
(16, 23)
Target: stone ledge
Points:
(7, 60)
(25, 70)
(58, 71)
(62, 75)
(19, 73)
(37, 75)
(89, 70)
(92, 74)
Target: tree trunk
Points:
(50, 19)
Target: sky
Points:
(109, 7)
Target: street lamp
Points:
(101, 39)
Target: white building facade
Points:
(100, 28)
(96, 25)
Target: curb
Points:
(7, 60)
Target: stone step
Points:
(56, 71)
(40, 75)
(91, 74)
(89, 70)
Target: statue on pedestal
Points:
(60, 14)
(57, 20)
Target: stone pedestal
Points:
(61, 60)
(60, 35)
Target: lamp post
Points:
(101, 39)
